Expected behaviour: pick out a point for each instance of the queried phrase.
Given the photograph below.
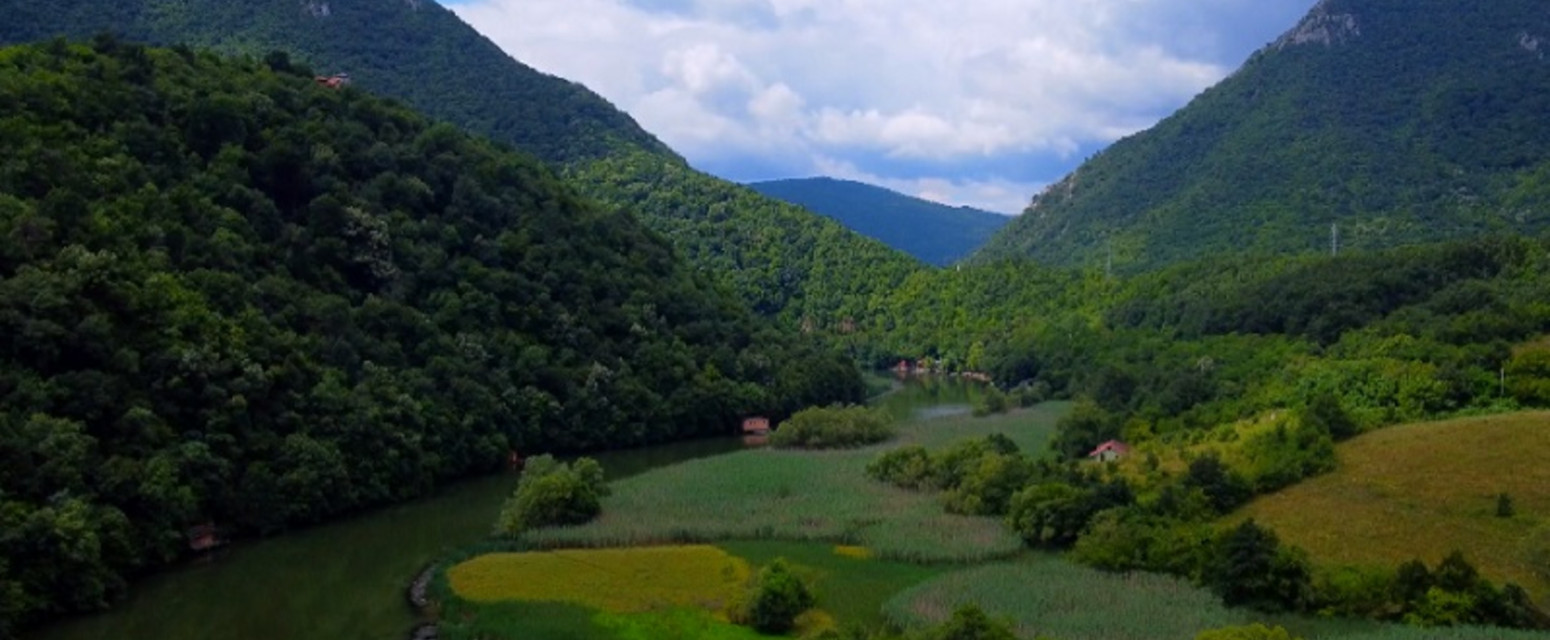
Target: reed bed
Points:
(765, 494)
(1044, 595)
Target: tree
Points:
(1249, 568)
(1050, 514)
(1223, 486)
(1325, 413)
(778, 597)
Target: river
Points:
(346, 580)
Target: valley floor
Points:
(910, 564)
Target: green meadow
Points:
(765, 494)
(874, 556)
(1046, 596)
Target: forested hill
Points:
(230, 295)
(781, 259)
(935, 233)
(1399, 120)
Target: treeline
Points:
(1394, 336)
(1169, 526)
(230, 296)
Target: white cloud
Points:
(783, 84)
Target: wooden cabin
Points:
(756, 426)
(334, 81)
(204, 537)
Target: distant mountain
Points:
(1400, 121)
(781, 260)
(935, 233)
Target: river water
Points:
(346, 580)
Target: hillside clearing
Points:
(1425, 490)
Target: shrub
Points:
(908, 467)
(969, 622)
(833, 428)
(1504, 507)
(553, 493)
(1254, 631)
(993, 401)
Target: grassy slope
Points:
(799, 495)
(1424, 490)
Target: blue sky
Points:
(974, 102)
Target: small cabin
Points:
(204, 537)
(334, 81)
(756, 426)
(1109, 451)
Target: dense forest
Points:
(1229, 379)
(935, 233)
(1194, 338)
(229, 295)
(1402, 121)
(780, 259)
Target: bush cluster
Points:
(552, 493)
(834, 427)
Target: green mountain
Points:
(230, 295)
(935, 233)
(1400, 121)
(778, 258)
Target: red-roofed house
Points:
(1111, 450)
(756, 426)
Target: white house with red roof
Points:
(1111, 450)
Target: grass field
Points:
(1425, 490)
(616, 580)
(851, 589)
(808, 495)
(659, 592)
(1046, 595)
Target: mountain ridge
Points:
(1401, 122)
(935, 233)
(780, 259)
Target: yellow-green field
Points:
(617, 580)
(1425, 490)
(659, 592)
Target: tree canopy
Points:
(231, 296)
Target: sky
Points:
(969, 102)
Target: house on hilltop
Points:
(1111, 450)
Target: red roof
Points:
(1112, 445)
